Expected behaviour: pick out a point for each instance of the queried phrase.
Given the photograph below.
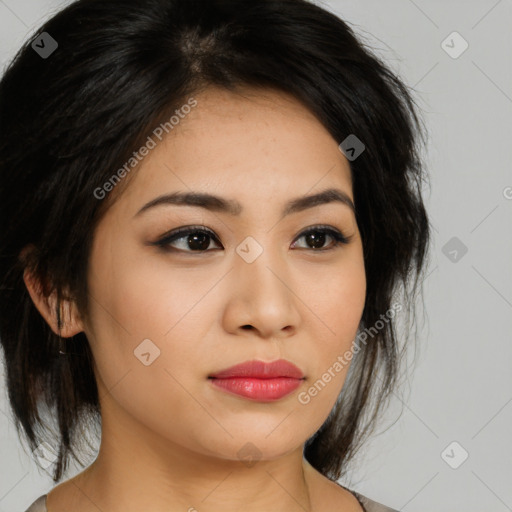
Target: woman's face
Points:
(163, 319)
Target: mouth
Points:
(260, 381)
(261, 390)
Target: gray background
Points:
(461, 389)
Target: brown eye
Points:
(315, 238)
(194, 240)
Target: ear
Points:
(71, 322)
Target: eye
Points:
(317, 235)
(196, 239)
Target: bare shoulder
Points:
(69, 495)
(343, 499)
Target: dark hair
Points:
(121, 68)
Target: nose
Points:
(263, 296)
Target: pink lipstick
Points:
(257, 380)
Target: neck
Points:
(139, 470)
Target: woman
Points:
(208, 208)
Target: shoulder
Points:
(329, 491)
(39, 505)
(367, 504)
(370, 505)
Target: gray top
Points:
(368, 505)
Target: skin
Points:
(169, 438)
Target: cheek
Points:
(147, 358)
(140, 333)
(337, 301)
(337, 298)
(144, 297)
(148, 328)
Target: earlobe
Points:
(47, 306)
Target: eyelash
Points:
(164, 243)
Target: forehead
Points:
(257, 145)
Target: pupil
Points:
(203, 241)
(320, 238)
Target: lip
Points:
(260, 381)
(261, 370)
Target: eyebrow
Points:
(232, 207)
